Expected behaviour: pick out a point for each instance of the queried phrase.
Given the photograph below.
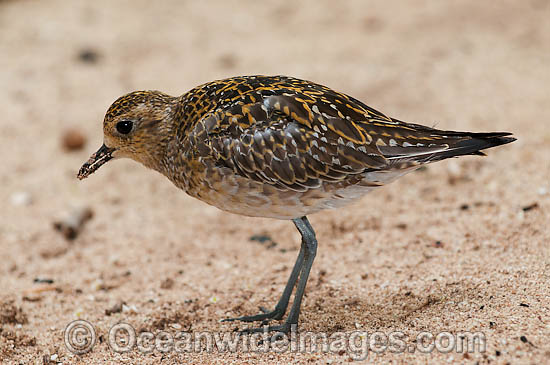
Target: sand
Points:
(461, 246)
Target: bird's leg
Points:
(309, 243)
(281, 306)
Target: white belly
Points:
(243, 196)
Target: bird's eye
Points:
(124, 126)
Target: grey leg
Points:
(309, 247)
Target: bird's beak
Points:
(102, 155)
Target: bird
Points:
(274, 147)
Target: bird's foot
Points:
(266, 316)
(281, 331)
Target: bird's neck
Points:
(162, 138)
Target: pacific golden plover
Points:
(276, 147)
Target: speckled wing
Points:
(285, 141)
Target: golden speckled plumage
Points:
(276, 146)
(282, 147)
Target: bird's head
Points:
(139, 126)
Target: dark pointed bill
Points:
(102, 155)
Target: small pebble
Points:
(168, 283)
(73, 140)
(21, 198)
(73, 222)
(43, 281)
(129, 308)
(32, 298)
(530, 207)
(525, 340)
(262, 238)
(117, 308)
(227, 61)
(88, 55)
(98, 284)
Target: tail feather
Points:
(447, 144)
(472, 144)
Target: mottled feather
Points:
(274, 146)
(294, 134)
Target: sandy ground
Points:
(460, 246)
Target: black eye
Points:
(124, 127)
